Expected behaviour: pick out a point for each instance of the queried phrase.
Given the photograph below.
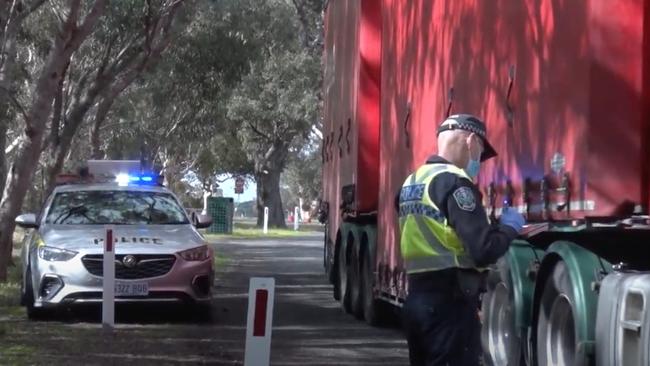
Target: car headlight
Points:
(52, 254)
(196, 254)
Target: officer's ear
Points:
(474, 142)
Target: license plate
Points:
(131, 289)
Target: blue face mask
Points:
(473, 167)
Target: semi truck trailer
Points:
(564, 89)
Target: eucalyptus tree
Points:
(75, 22)
(12, 16)
(129, 40)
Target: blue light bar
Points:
(124, 179)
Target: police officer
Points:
(446, 241)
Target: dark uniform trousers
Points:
(442, 325)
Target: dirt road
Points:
(308, 326)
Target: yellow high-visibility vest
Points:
(427, 241)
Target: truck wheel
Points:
(343, 288)
(504, 346)
(334, 268)
(374, 310)
(556, 340)
(354, 277)
(499, 336)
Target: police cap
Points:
(468, 122)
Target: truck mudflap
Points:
(623, 320)
(564, 306)
(506, 304)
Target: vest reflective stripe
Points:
(448, 259)
(431, 237)
(428, 243)
(424, 264)
(428, 172)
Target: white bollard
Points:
(296, 215)
(266, 220)
(108, 296)
(259, 322)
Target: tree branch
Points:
(260, 133)
(80, 33)
(56, 114)
(13, 144)
(15, 102)
(303, 22)
(35, 5)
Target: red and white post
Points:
(259, 323)
(108, 297)
(296, 220)
(266, 220)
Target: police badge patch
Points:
(465, 198)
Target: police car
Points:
(159, 254)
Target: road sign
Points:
(239, 185)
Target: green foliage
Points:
(303, 177)
(276, 103)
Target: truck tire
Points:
(343, 282)
(333, 267)
(354, 281)
(501, 344)
(374, 310)
(556, 333)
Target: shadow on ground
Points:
(309, 328)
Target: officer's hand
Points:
(511, 217)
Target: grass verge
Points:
(247, 230)
(220, 261)
(16, 354)
(10, 290)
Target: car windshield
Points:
(115, 207)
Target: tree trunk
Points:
(18, 182)
(61, 150)
(73, 120)
(3, 158)
(7, 62)
(100, 116)
(268, 195)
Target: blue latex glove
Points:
(511, 217)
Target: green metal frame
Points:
(520, 257)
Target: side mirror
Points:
(201, 221)
(27, 221)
